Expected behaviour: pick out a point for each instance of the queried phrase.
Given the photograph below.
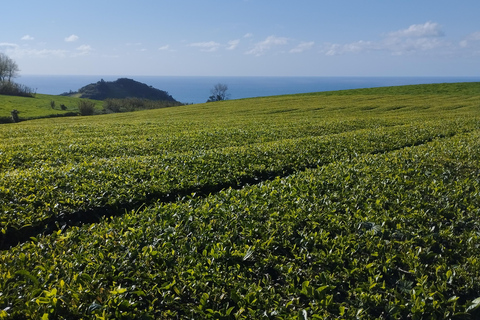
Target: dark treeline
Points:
(14, 89)
(135, 104)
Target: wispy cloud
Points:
(45, 53)
(18, 51)
(333, 49)
(71, 38)
(416, 38)
(233, 44)
(248, 35)
(303, 46)
(471, 38)
(164, 48)
(8, 45)
(209, 46)
(83, 50)
(262, 47)
(27, 38)
(428, 29)
(409, 46)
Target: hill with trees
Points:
(9, 70)
(120, 89)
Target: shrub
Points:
(15, 117)
(86, 107)
(15, 89)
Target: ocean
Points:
(197, 89)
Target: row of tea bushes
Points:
(393, 235)
(41, 194)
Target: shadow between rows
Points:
(13, 237)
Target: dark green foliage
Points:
(6, 119)
(11, 88)
(121, 89)
(218, 93)
(86, 107)
(15, 117)
(135, 104)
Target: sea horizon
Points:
(196, 89)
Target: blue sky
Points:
(243, 37)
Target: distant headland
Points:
(120, 89)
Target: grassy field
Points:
(38, 106)
(356, 204)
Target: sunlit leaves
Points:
(369, 217)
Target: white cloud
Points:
(248, 35)
(18, 51)
(71, 38)
(412, 45)
(353, 47)
(416, 38)
(165, 47)
(210, 46)
(83, 50)
(474, 36)
(302, 47)
(44, 53)
(233, 44)
(27, 38)
(471, 38)
(26, 51)
(8, 45)
(261, 47)
(38, 53)
(428, 29)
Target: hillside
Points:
(359, 204)
(40, 106)
(120, 89)
(123, 95)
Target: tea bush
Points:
(347, 205)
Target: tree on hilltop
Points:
(218, 93)
(8, 68)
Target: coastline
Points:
(196, 89)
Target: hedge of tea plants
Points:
(37, 194)
(247, 212)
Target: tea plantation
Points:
(357, 204)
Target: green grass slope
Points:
(356, 204)
(38, 106)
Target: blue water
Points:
(197, 89)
